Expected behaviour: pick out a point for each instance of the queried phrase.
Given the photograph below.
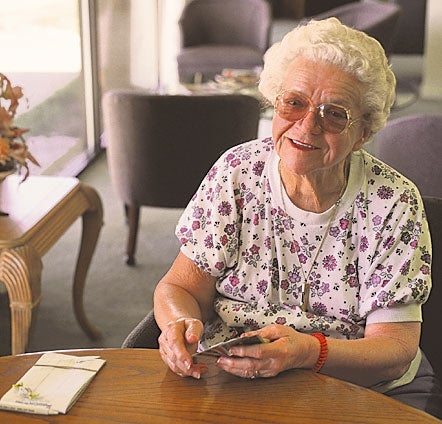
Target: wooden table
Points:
(136, 387)
(40, 210)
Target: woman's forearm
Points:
(184, 292)
(375, 358)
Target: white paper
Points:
(53, 384)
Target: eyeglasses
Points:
(294, 106)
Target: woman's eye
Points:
(296, 103)
(336, 113)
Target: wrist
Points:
(323, 351)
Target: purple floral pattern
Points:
(376, 254)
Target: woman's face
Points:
(303, 147)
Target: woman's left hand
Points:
(287, 349)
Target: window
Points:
(43, 50)
(66, 53)
(137, 43)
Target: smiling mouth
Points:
(301, 145)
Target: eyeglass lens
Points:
(293, 106)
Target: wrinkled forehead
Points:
(322, 82)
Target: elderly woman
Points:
(304, 238)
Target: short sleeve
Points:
(398, 280)
(210, 226)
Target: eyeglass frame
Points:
(318, 110)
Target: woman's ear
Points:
(365, 136)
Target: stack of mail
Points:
(52, 385)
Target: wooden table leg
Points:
(92, 223)
(20, 271)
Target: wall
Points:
(154, 42)
(144, 43)
(113, 39)
(432, 76)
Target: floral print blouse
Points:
(373, 266)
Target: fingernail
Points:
(187, 364)
(196, 374)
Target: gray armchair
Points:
(144, 335)
(218, 34)
(376, 18)
(432, 311)
(161, 146)
(413, 145)
(410, 34)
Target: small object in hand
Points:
(223, 348)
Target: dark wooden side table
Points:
(39, 211)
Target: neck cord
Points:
(305, 293)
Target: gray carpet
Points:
(116, 296)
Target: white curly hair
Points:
(351, 50)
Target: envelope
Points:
(52, 385)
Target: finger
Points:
(270, 332)
(174, 336)
(257, 351)
(180, 368)
(249, 367)
(194, 330)
(241, 367)
(170, 362)
(176, 350)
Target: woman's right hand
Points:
(178, 341)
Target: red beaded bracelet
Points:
(322, 353)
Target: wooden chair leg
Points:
(133, 216)
(126, 213)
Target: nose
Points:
(310, 122)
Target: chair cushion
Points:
(431, 343)
(233, 22)
(412, 145)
